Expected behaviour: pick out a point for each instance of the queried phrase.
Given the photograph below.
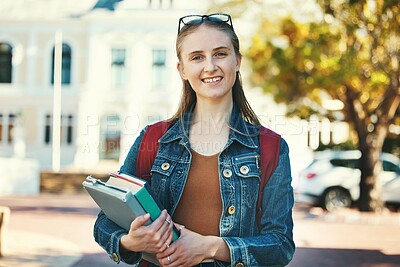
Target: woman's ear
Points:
(180, 68)
(238, 62)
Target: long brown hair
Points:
(188, 96)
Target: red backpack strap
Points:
(148, 148)
(147, 153)
(270, 143)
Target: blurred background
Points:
(80, 79)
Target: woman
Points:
(203, 187)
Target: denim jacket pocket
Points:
(160, 176)
(247, 165)
(246, 168)
(167, 181)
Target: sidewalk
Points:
(56, 230)
(346, 238)
(52, 230)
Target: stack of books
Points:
(123, 198)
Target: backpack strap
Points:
(148, 148)
(147, 153)
(269, 156)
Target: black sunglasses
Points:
(198, 19)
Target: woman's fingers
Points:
(139, 221)
(166, 234)
(163, 256)
(159, 232)
(159, 222)
(155, 237)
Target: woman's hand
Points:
(154, 238)
(192, 248)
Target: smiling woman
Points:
(206, 171)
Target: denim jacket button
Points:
(115, 257)
(239, 264)
(227, 173)
(165, 166)
(244, 169)
(231, 210)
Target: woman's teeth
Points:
(212, 80)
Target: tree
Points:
(351, 55)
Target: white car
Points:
(332, 180)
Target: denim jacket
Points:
(271, 245)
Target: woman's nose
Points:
(210, 65)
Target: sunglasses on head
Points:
(198, 19)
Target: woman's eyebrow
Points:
(195, 52)
(222, 47)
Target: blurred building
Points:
(118, 74)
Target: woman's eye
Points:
(221, 54)
(196, 58)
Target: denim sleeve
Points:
(108, 234)
(274, 246)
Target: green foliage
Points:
(355, 49)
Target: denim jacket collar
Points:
(241, 131)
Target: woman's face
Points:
(209, 63)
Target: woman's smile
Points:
(212, 81)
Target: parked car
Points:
(332, 180)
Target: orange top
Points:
(200, 206)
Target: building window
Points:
(118, 67)
(7, 125)
(5, 63)
(69, 130)
(47, 129)
(110, 137)
(67, 126)
(11, 124)
(159, 68)
(65, 65)
(66, 129)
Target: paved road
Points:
(346, 239)
(56, 230)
